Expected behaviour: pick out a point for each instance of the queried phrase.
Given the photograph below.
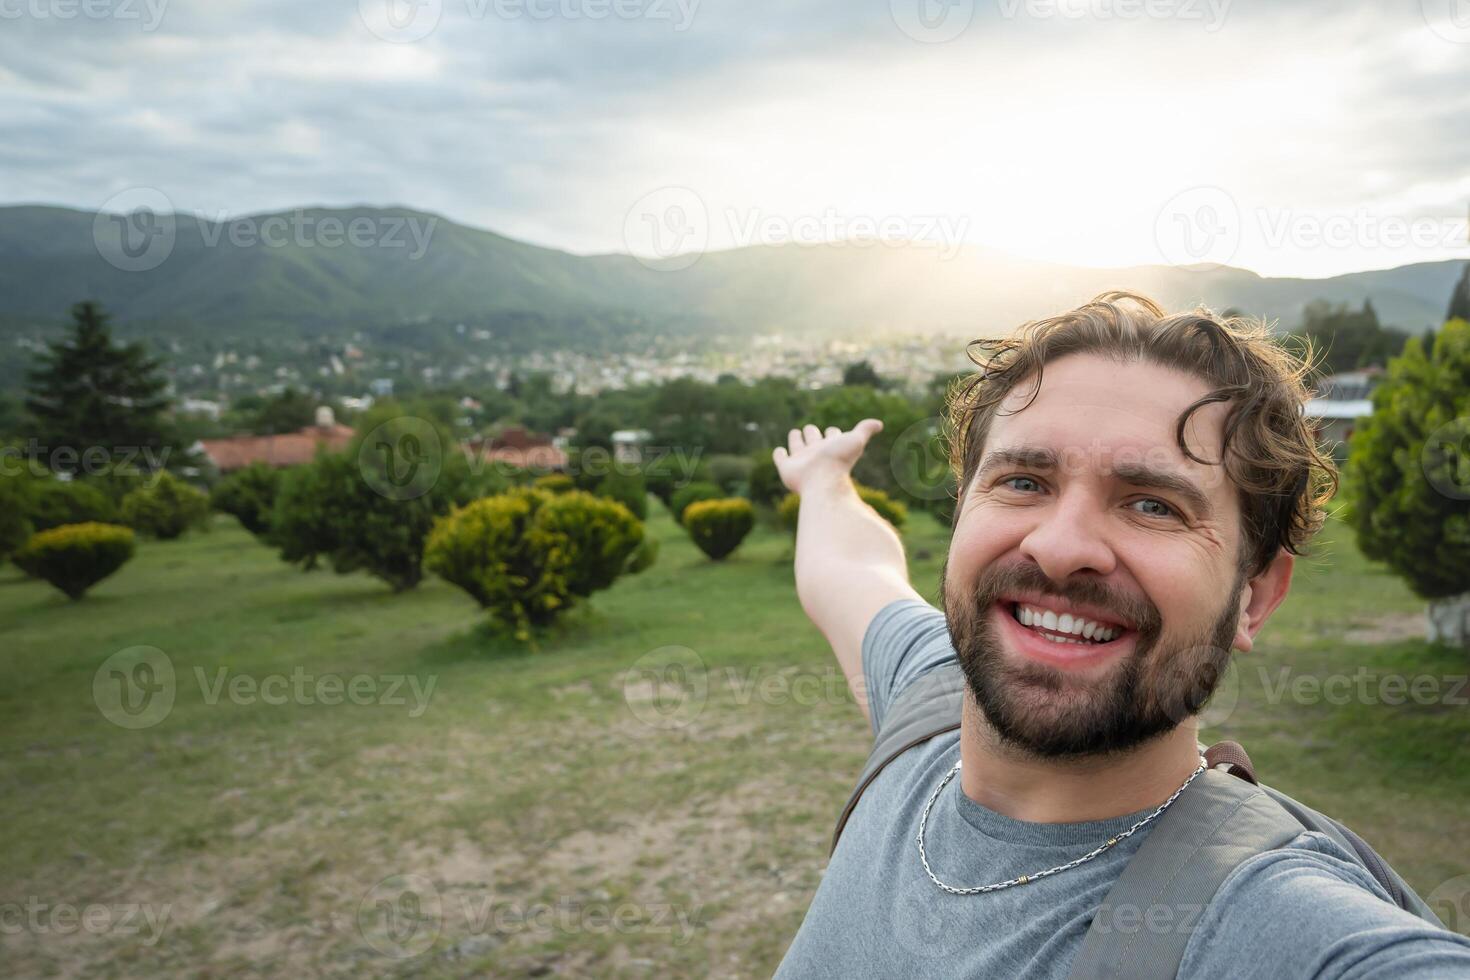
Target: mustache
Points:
(997, 580)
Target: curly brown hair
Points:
(1282, 480)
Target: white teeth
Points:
(1065, 623)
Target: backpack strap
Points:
(928, 707)
(1215, 825)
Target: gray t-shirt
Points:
(1303, 910)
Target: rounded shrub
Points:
(248, 495)
(554, 483)
(718, 526)
(671, 472)
(75, 557)
(731, 473)
(765, 481)
(627, 489)
(166, 509)
(685, 496)
(890, 510)
(527, 555)
(53, 503)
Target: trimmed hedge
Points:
(889, 509)
(53, 503)
(165, 510)
(527, 555)
(627, 489)
(685, 496)
(75, 557)
(248, 495)
(718, 526)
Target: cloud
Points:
(1053, 127)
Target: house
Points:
(1342, 400)
(518, 446)
(287, 449)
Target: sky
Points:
(1290, 138)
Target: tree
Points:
(290, 411)
(1460, 298)
(861, 373)
(1351, 338)
(1407, 479)
(90, 392)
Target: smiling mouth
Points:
(1064, 628)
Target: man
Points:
(1112, 547)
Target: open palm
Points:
(811, 455)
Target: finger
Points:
(778, 455)
(833, 430)
(795, 442)
(812, 433)
(868, 428)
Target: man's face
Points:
(1084, 515)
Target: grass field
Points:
(551, 812)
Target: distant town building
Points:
(518, 446)
(381, 387)
(1342, 400)
(628, 444)
(287, 449)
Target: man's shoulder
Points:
(1308, 908)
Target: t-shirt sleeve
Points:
(906, 638)
(1306, 910)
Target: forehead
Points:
(1096, 412)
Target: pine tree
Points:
(1460, 298)
(90, 392)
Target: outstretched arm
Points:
(849, 561)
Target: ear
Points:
(1260, 597)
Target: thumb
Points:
(868, 428)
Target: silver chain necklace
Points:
(1023, 879)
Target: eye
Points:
(1166, 510)
(1024, 479)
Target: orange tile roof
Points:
(287, 449)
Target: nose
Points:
(1069, 538)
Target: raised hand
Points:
(812, 457)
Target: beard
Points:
(1046, 713)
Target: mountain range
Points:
(256, 277)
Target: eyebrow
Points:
(1134, 474)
